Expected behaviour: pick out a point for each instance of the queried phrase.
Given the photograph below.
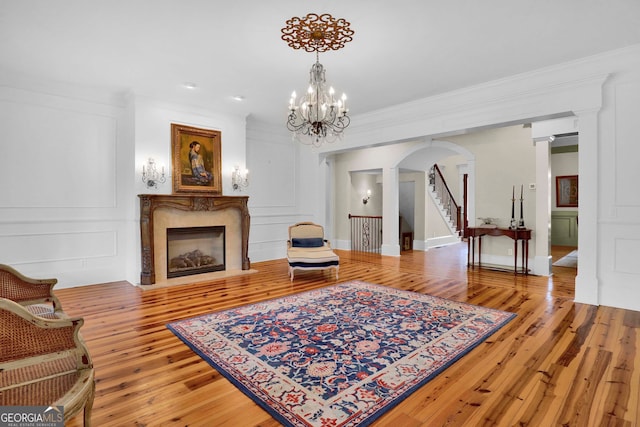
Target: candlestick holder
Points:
(512, 223)
(521, 222)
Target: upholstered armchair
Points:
(307, 249)
(36, 295)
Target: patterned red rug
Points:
(341, 355)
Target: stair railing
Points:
(366, 233)
(451, 208)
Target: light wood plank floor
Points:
(557, 363)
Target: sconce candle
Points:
(150, 175)
(239, 179)
(367, 197)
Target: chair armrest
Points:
(24, 336)
(44, 362)
(26, 290)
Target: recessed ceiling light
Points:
(238, 98)
(190, 85)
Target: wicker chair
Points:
(44, 362)
(307, 249)
(36, 295)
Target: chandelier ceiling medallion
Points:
(317, 116)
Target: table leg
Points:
(515, 256)
(525, 256)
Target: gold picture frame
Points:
(567, 191)
(196, 158)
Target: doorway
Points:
(564, 200)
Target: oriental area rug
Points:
(341, 355)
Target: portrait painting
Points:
(196, 157)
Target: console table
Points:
(520, 234)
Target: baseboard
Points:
(434, 242)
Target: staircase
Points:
(450, 211)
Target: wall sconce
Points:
(150, 175)
(367, 197)
(239, 179)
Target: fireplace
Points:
(162, 212)
(195, 250)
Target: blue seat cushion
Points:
(307, 242)
(314, 264)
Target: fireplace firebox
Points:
(195, 250)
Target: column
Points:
(542, 257)
(390, 212)
(588, 174)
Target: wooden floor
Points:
(557, 363)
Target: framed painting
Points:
(567, 191)
(196, 158)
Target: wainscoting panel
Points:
(65, 179)
(273, 175)
(28, 248)
(269, 234)
(618, 267)
(564, 228)
(76, 253)
(627, 98)
(56, 157)
(626, 256)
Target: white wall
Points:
(436, 230)
(618, 208)
(66, 205)
(360, 182)
(407, 204)
(287, 186)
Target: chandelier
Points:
(318, 116)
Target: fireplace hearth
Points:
(195, 250)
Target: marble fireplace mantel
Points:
(186, 203)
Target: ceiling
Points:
(402, 50)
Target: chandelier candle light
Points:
(318, 116)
